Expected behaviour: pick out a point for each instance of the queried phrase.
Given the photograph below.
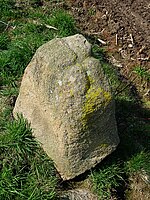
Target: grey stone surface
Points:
(78, 194)
(66, 97)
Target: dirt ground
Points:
(138, 189)
(123, 27)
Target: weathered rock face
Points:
(67, 99)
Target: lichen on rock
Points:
(96, 98)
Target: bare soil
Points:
(124, 26)
(138, 190)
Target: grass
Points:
(138, 162)
(106, 179)
(26, 171)
(4, 41)
(142, 73)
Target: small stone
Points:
(78, 194)
(130, 45)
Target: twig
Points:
(128, 84)
(147, 93)
(131, 38)
(143, 58)
(115, 62)
(95, 33)
(46, 25)
(3, 22)
(101, 41)
(116, 39)
(50, 27)
(140, 51)
(7, 25)
(105, 15)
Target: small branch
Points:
(7, 25)
(46, 25)
(128, 84)
(143, 58)
(95, 33)
(116, 39)
(115, 62)
(131, 38)
(101, 41)
(140, 51)
(3, 22)
(50, 27)
(147, 93)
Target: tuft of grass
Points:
(11, 91)
(26, 171)
(13, 61)
(105, 180)
(138, 162)
(4, 41)
(142, 73)
(5, 113)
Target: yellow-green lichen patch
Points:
(104, 145)
(71, 93)
(89, 82)
(96, 98)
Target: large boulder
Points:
(66, 97)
